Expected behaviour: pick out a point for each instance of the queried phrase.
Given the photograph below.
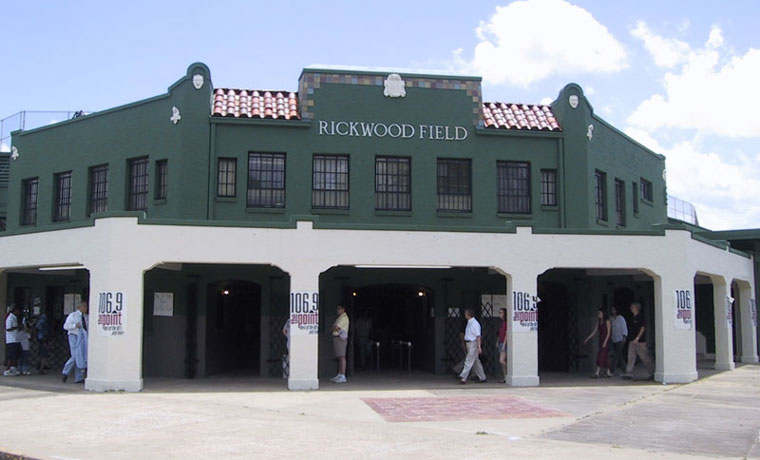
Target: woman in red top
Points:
(602, 357)
(502, 343)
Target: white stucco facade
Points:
(117, 252)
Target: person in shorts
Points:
(340, 343)
(12, 345)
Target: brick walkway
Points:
(457, 408)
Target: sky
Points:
(680, 77)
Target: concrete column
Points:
(748, 323)
(675, 328)
(304, 328)
(724, 344)
(115, 326)
(522, 328)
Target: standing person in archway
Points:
(502, 343)
(472, 339)
(638, 344)
(619, 334)
(340, 343)
(76, 326)
(602, 356)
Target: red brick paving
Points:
(457, 408)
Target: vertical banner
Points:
(524, 312)
(112, 313)
(304, 313)
(729, 312)
(683, 309)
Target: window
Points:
(99, 189)
(600, 195)
(137, 196)
(513, 186)
(549, 187)
(225, 179)
(330, 182)
(646, 189)
(162, 176)
(29, 208)
(62, 211)
(619, 203)
(454, 185)
(635, 190)
(266, 180)
(393, 183)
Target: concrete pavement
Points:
(223, 417)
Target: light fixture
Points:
(354, 294)
(61, 267)
(421, 293)
(226, 292)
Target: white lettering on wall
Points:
(393, 130)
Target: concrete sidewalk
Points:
(398, 417)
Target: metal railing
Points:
(682, 210)
(30, 119)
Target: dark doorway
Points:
(387, 314)
(553, 328)
(233, 327)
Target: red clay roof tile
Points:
(241, 103)
(498, 115)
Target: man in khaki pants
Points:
(638, 344)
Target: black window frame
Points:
(600, 195)
(162, 180)
(30, 196)
(513, 187)
(393, 186)
(647, 192)
(619, 203)
(138, 183)
(226, 179)
(266, 187)
(454, 185)
(549, 187)
(97, 189)
(62, 196)
(330, 186)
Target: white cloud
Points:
(529, 40)
(546, 100)
(725, 194)
(710, 89)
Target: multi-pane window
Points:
(62, 202)
(600, 195)
(98, 189)
(137, 192)
(646, 189)
(635, 190)
(513, 193)
(29, 208)
(225, 179)
(619, 203)
(162, 176)
(454, 185)
(266, 180)
(329, 187)
(393, 183)
(549, 187)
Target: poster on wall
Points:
(304, 313)
(524, 312)
(491, 304)
(683, 310)
(753, 311)
(163, 304)
(729, 312)
(70, 301)
(112, 313)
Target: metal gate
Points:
(279, 313)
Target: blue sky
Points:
(679, 76)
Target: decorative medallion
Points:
(198, 81)
(176, 117)
(394, 86)
(590, 131)
(573, 100)
(14, 153)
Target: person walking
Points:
(638, 345)
(76, 326)
(473, 344)
(619, 334)
(340, 343)
(602, 356)
(502, 343)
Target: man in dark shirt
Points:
(638, 343)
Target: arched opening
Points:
(233, 326)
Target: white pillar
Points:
(115, 326)
(304, 328)
(675, 328)
(748, 314)
(522, 329)
(724, 341)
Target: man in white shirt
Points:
(619, 334)
(472, 341)
(76, 326)
(12, 344)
